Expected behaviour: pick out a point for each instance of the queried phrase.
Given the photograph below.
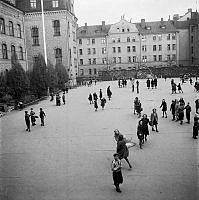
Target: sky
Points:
(95, 11)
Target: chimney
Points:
(176, 17)
(143, 23)
(103, 26)
(189, 10)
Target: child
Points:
(42, 115)
(103, 102)
(117, 173)
(95, 105)
(64, 99)
(90, 98)
(27, 120)
(164, 108)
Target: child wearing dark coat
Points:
(42, 115)
(27, 120)
(103, 102)
(95, 105)
(164, 108)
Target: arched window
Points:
(4, 51)
(58, 55)
(18, 30)
(11, 28)
(20, 53)
(35, 36)
(56, 26)
(2, 26)
(13, 50)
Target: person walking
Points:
(173, 109)
(132, 84)
(179, 88)
(64, 99)
(164, 108)
(100, 94)
(140, 133)
(42, 115)
(109, 93)
(90, 98)
(95, 96)
(103, 102)
(27, 120)
(152, 83)
(32, 117)
(188, 112)
(181, 112)
(122, 149)
(137, 85)
(195, 126)
(197, 105)
(154, 120)
(145, 129)
(116, 167)
(95, 105)
(148, 83)
(155, 81)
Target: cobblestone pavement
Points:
(69, 158)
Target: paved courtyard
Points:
(69, 158)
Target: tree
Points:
(62, 75)
(16, 79)
(38, 80)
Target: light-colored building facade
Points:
(60, 32)
(128, 45)
(12, 37)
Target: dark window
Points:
(95, 71)
(81, 61)
(58, 55)
(35, 36)
(119, 49)
(168, 47)
(56, 26)
(93, 41)
(2, 26)
(128, 49)
(13, 51)
(114, 50)
(4, 51)
(134, 48)
(90, 71)
(154, 47)
(18, 31)
(80, 52)
(11, 28)
(20, 53)
(128, 39)
(80, 41)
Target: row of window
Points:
(33, 4)
(12, 50)
(10, 29)
(130, 59)
(89, 71)
(92, 41)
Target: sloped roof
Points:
(156, 27)
(181, 24)
(92, 31)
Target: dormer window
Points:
(148, 28)
(83, 32)
(123, 30)
(128, 30)
(163, 27)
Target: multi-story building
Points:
(60, 32)
(12, 38)
(126, 45)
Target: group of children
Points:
(152, 83)
(31, 118)
(174, 87)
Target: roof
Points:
(93, 31)
(157, 27)
(181, 24)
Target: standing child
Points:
(164, 108)
(103, 102)
(64, 99)
(117, 173)
(180, 88)
(90, 98)
(95, 105)
(188, 112)
(32, 117)
(27, 120)
(42, 115)
(100, 94)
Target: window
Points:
(154, 38)
(168, 36)
(173, 46)
(35, 36)
(33, 3)
(133, 40)
(113, 40)
(94, 51)
(89, 61)
(88, 42)
(82, 72)
(114, 59)
(192, 50)
(173, 56)
(128, 39)
(103, 50)
(81, 61)
(129, 59)
(90, 71)
(134, 58)
(80, 52)
(119, 60)
(168, 47)
(93, 41)
(35, 59)
(118, 29)
(103, 40)
(160, 57)
(168, 57)
(2, 26)
(104, 60)
(160, 47)
(192, 39)
(13, 50)
(80, 41)
(74, 50)
(173, 36)
(11, 28)
(144, 58)
(20, 53)
(74, 36)
(95, 71)
(89, 51)
(134, 48)
(159, 37)
(56, 26)
(154, 47)
(55, 3)
(144, 48)
(123, 30)
(119, 49)
(154, 58)
(114, 49)
(58, 55)
(94, 61)
(4, 51)
(118, 40)
(18, 31)
(128, 30)
(128, 49)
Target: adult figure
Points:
(140, 133)
(95, 96)
(145, 129)
(90, 98)
(148, 83)
(155, 81)
(173, 86)
(179, 88)
(195, 126)
(188, 112)
(173, 110)
(122, 149)
(197, 105)
(42, 115)
(154, 120)
(100, 94)
(103, 102)
(137, 85)
(109, 93)
(181, 113)
(95, 105)
(164, 108)
(64, 98)
(152, 83)
(27, 120)
(32, 117)
(132, 84)
(135, 104)
(139, 108)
